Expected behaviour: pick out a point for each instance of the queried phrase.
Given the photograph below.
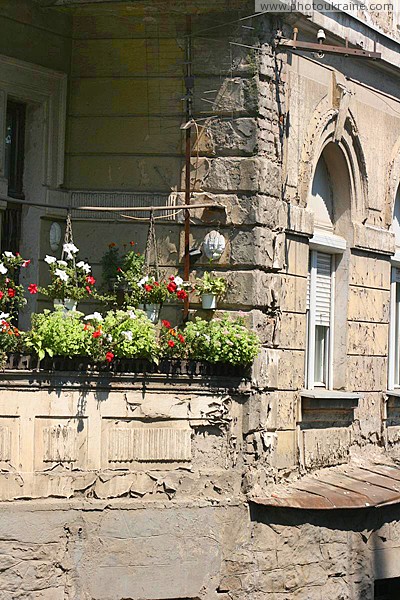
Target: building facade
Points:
(280, 487)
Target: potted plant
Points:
(70, 281)
(11, 292)
(154, 293)
(210, 289)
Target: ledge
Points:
(330, 395)
(393, 393)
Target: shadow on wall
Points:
(342, 552)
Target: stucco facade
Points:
(163, 487)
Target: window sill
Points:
(394, 393)
(322, 394)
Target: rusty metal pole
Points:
(188, 151)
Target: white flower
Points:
(3, 269)
(96, 316)
(62, 263)
(62, 275)
(207, 337)
(4, 316)
(70, 250)
(178, 281)
(143, 280)
(50, 259)
(128, 335)
(109, 337)
(84, 266)
(132, 314)
(9, 254)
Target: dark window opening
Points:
(15, 148)
(387, 589)
(14, 172)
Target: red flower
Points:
(26, 263)
(1, 295)
(112, 245)
(171, 277)
(166, 323)
(171, 287)
(148, 287)
(156, 284)
(87, 288)
(181, 338)
(181, 294)
(171, 343)
(17, 254)
(91, 280)
(11, 293)
(132, 243)
(119, 270)
(33, 288)
(96, 334)
(86, 327)
(109, 356)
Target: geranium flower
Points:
(87, 288)
(61, 274)
(181, 294)
(63, 263)
(148, 287)
(4, 316)
(172, 332)
(50, 259)
(11, 293)
(109, 356)
(181, 338)
(132, 314)
(143, 280)
(119, 270)
(26, 263)
(96, 316)
(86, 327)
(171, 287)
(1, 295)
(132, 243)
(166, 323)
(9, 254)
(91, 280)
(96, 334)
(112, 245)
(178, 281)
(171, 277)
(33, 288)
(3, 269)
(171, 343)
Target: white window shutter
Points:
(323, 290)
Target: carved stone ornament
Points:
(214, 245)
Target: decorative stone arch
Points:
(392, 184)
(323, 131)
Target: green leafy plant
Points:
(209, 284)
(121, 334)
(111, 261)
(69, 280)
(221, 340)
(58, 334)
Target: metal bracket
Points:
(321, 48)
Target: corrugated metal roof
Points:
(341, 487)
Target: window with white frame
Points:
(320, 319)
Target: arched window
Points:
(330, 201)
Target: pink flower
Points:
(26, 263)
(33, 288)
(91, 280)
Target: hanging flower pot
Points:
(67, 304)
(209, 301)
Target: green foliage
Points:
(172, 342)
(69, 280)
(130, 334)
(221, 340)
(209, 284)
(110, 262)
(58, 334)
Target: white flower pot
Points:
(153, 312)
(209, 301)
(67, 304)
